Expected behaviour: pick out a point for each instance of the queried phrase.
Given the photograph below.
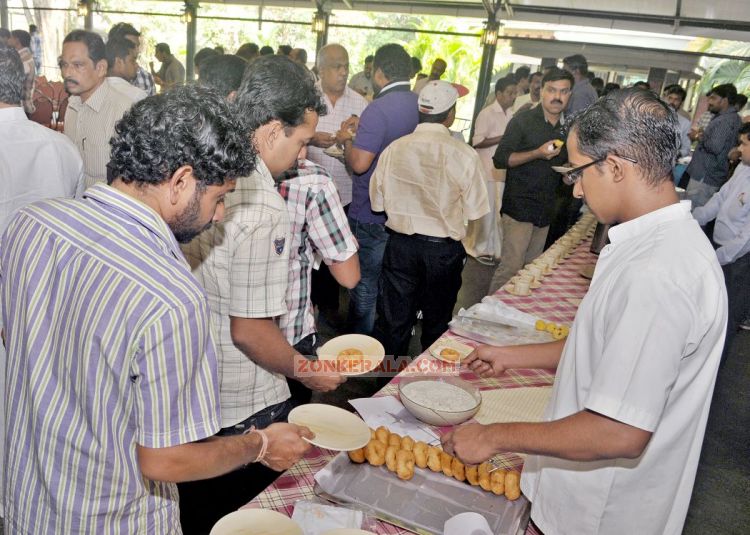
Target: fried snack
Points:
(458, 469)
(497, 482)
(395, 440)
(350, 355)
(357, 456)
(382, 434)
(372, 434)
(420, 454)
(471, 474)
(405, 464)
(446, 462)
(433, 459)
(448, 353)
(375, 453)
(407, 443)
(483, 473)
(390, 458)
(540, 325)
(512, 485)
(558, 143)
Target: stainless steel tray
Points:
(491, 332)
(421, 505)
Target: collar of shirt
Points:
(12, 115)
(539, 110)
(395, 86)
(497, 108)
(646, 222)
(95, 101)
(261, 170)
(433, 127)
(137, 211)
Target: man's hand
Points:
(285, 445)
(548, 151)
(323, 382)
(486, 361)
(472, 443)
(323, 140)
(351, 124)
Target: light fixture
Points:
(83, 8)
(320, 22)
(489, 34)
(188, 13)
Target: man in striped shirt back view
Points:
(112, 372)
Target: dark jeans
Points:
(417, 275)
(324, 288)
(307, 347)
(737, 279)
(372, 238)
(204, 502)
(566, 212)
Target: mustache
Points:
(556, 101)
(70, 81)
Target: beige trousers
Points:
(522, 243)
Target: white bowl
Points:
(436, 416)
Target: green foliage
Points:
(727, 71)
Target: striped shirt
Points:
(91, 124)
(350, 103)
(320, 230)
(109, 346)
(243, 263)
(145, 81)
(710, 162)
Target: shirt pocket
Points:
(96, 157)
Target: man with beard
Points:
(531, 145)
(112, 371)
(94, 105)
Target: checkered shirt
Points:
(29, 71)
(145, 81)
(319, 231)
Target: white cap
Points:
(437, 97)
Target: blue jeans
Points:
(372, 238)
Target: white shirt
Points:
(419, 85)
(491, 122)
(644, 350)
(35, 163)
(126, 88)
(684, 125)
(348, 104)
(91, 124)
(429, 183)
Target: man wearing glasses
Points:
(530, 147)
(620, 439)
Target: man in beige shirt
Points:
(94, 105)
(429, 184)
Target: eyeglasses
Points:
(575, 174)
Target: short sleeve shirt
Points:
(319, 231)
(644, 350)
(243, 264)
(491, 122)
(391, 115)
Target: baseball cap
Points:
(439, 96)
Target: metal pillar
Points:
(4, 22)
(191, 15)
(489, 46)
(320, 22)
(88, 19)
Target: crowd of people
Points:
(162, 260)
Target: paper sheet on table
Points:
(317, 518)
(513, 405)
(388, 411)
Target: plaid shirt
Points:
(319, 231)
(145, 81)
(29, 71)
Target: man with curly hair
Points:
(112, 370)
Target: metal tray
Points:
(490, 332)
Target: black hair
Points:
(632, 123)
(4, 33)
(522, 73)
(285, 50)
(540, 74)
(32, 28)
(745, 130)
(277, 88)
(609, 87)
(248, 51)
(678, 90)
(219, 50)
(123, 29)
(222, 73)
(740, 101)
(12, 76)
(370, 58)
(202, 55)
(643, 85)
(437, 118)
(503, 83)
(187, 125)
(393, 61)
(163, 48)
(118, 47)
(301, 55)
(266, 51)
(94, 44)
(416, 65)
(23, 37)
(556, 74)
(577, 62)
(597, 83)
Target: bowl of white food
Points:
(439, 400)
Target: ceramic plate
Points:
(446, 343)
(561, 169)
(372, 353)
(256, 522)
(347, 531)
(335, 429)
(334, 152)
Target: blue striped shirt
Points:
(109, 346)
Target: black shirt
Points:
(529, 194)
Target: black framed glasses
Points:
(574, 175)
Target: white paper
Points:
(388, 411)
(316, 518)
(467, 524)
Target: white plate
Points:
(447, 343)
(373, 353)
(335, 429)
(334, 151)
(347, 531)
(256, 522)
(561, 169)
